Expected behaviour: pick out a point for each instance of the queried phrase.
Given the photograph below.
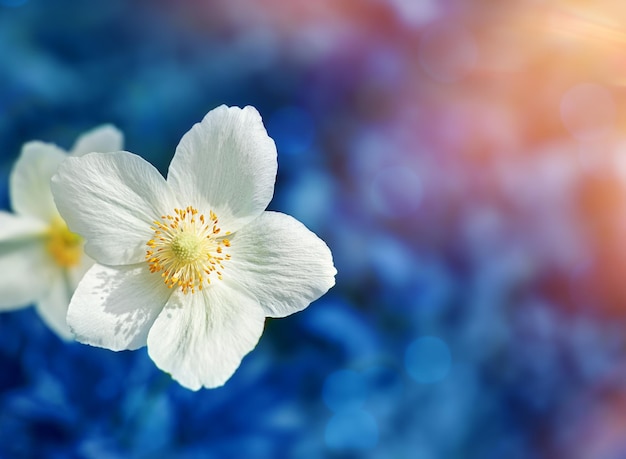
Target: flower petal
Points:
(111, 199)
(226, 163)
(52, 307)
(101, 139)
(201, 338)
(29, 182)
(26, 272)
(115, 307)
(14, 228)
(280, 262)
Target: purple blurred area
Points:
(465, 160)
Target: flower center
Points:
(65, 247)
(187, 249)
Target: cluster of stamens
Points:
(188, 249)
(65, 247)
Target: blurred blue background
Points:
(464, 160)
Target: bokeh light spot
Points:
(428, 359)
(396, 191)
(588, 111)
(292, 129)
(344, 390)
(352, 430)
(447, 52)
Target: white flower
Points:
(41, 261)
(190, 266)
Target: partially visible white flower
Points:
(41, 261)
(190, 266)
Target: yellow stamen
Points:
(187, 250)
(65, 247)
